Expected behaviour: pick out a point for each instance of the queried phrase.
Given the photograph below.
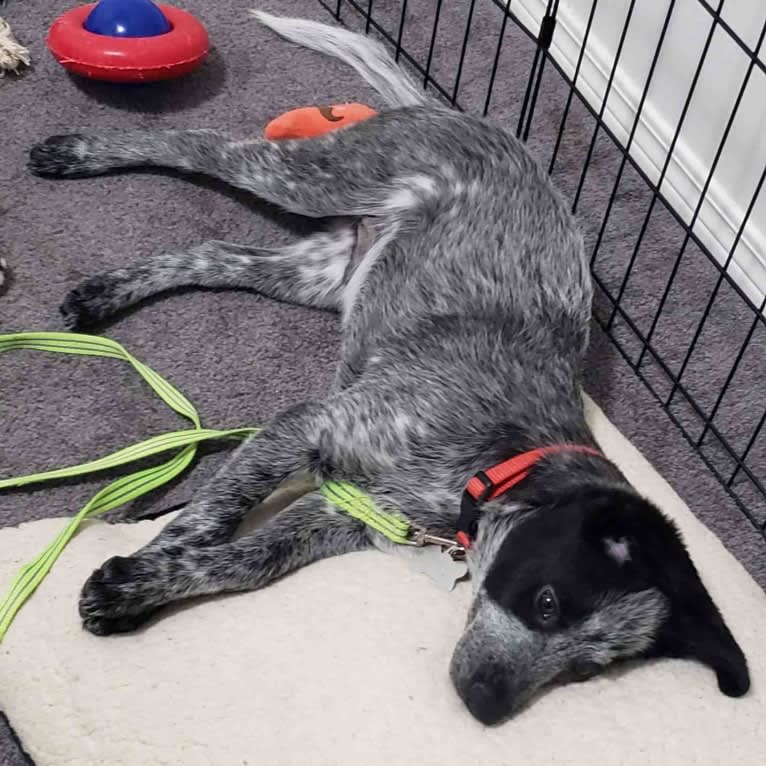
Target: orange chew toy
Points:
(312, 121)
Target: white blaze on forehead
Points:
(619, 550)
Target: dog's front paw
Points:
(119, 596)
(64, 156)
(94, 300)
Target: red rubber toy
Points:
(120, 55)
(312, 121)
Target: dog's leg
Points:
(366, 169)
(125, 592)
(309, 272)
(297, 442)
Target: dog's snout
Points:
(488, 665)
(488, 700)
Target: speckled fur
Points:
(465, 325)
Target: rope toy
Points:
(13, 55)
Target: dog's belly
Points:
(371, 239)
(366, 235)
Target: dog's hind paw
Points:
(61, 156)
(89, 303)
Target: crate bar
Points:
(462, 52)
(504, 5)
(746, 452)
(735, 38)
(402, 20)
(427, 74)
(631, 136)
(544, 40)
(572, 86)
(547, 25)
(607, 92)
(496, 60)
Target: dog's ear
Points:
(646, 546)
(695, 627)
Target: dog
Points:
(465, 315)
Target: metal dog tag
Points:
(438, 564)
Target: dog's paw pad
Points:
(107, 592)
(106, 626)
(59, 156)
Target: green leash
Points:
(343, 495)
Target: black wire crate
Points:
(648, 116)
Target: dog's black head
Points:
(565, 590)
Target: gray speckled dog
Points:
(465, 320)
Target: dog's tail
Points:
(367, 56)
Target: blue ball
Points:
(127, 18)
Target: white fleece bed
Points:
(345, 662)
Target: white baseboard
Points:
(719, 216)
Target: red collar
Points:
(496, 481)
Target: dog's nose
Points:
(488, 702)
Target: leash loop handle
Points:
(122, 490)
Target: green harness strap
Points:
(343, 495)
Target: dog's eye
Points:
(547, 604)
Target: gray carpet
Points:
(239, 357)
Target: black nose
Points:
(488, 702)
